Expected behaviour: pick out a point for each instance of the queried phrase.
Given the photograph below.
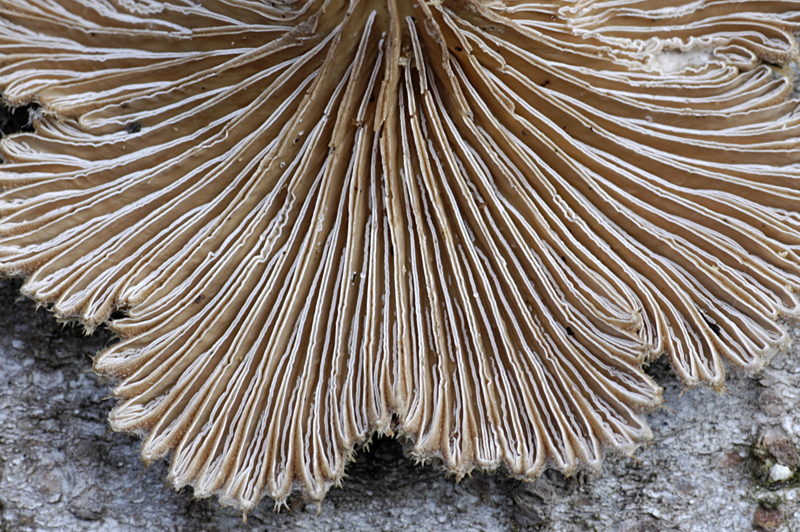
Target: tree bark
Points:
(708, 468)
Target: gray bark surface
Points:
(708, 468)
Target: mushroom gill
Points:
(468, 223)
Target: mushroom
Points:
(466, 223)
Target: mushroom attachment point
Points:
(467, 223)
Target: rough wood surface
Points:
(707, 469)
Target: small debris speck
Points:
(779, 473)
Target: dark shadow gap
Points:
(17, 119)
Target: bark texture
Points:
(708, 468)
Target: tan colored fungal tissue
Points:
(465, 223)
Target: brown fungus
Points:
(468, 223)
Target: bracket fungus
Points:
(468, 223)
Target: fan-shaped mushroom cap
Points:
(468, 223)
